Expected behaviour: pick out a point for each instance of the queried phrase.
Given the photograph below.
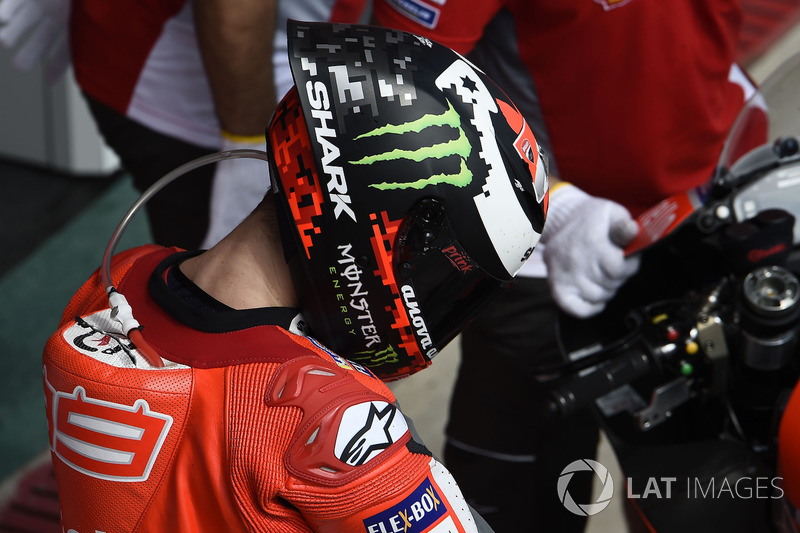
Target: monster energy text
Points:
(350, 276)
(337, 185)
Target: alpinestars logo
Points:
(460, 146)
(366, 430)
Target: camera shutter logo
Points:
(586, 509)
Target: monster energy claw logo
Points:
(459, 146)
(374, 358)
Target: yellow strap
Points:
(245, 139)
(556, 186)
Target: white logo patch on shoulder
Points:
(100, 337)
(366, 430)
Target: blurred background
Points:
(62, 197)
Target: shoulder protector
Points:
(346, 428)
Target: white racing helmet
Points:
(412, 191)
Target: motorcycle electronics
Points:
(765, 239)
(769, 317)
(698, 355)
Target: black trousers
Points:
(178, 214)
(504, 453)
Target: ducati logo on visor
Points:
(457, 147)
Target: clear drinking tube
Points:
(120, 309)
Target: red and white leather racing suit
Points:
(248, 427)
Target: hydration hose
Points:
(121, 310)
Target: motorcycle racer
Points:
(397, 170)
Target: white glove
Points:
(584, 238)
(239, 186)
(47, 22)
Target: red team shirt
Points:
(248, 427)
(637, 95)
(141, 58)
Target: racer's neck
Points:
(246, 270)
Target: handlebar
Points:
(582, 389)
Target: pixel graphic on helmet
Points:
(409, 195)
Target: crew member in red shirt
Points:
(631, 100)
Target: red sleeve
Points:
(428, 502)
(457, 24)
(352, 465)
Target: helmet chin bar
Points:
(121, 311)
